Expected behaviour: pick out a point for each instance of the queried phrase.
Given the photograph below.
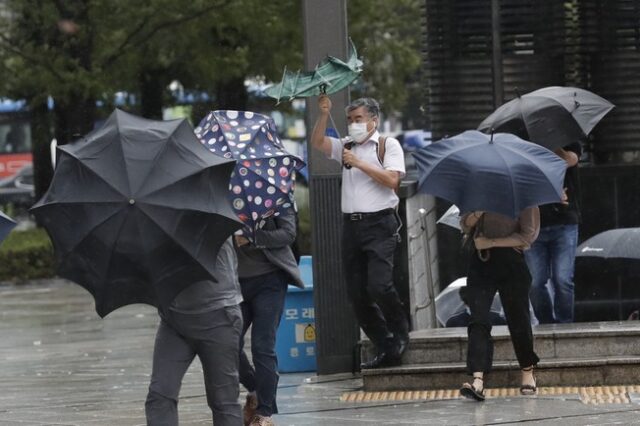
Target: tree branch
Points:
(128, 43)
(7, 44)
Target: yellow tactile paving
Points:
(588, 394)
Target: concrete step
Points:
(583, 371)
(552, 341)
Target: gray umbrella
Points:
(616, 253)
(553, 117)
(137, 211)
(619, 248)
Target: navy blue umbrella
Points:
(499, 173)
(6, 225)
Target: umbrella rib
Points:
(170, 236)
(103, 180)
(295, 85)
(440, 160)
(158, 155)
(148, 194)
(284, 73)
(326, 81)
(94, 227)
(532, 163)
(508, 166)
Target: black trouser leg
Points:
(379, 252)
(480, 292)
(355, 265)
(506, 272)
(514, 295)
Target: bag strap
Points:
(382, 140)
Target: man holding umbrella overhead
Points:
(373, 168)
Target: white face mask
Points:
(358, 131)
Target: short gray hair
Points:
(371, 105)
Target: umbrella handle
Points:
(323, 89)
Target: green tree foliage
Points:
(80, 51)
(83, 51)
(387, 35)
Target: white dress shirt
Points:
(360, 192)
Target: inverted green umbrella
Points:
(329, 76)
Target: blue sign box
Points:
(296, 336)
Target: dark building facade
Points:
(480, 54)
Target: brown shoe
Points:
(249, 409)
(259, 420)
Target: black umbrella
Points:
(553, 117)
(499, 173)
(137, 211)
(615, 253)
(619, 248)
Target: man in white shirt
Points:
(372, 170)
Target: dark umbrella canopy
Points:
(619, 248)
(263, 181)
(499, 173)
(137, 211)
(612, 258)
(623, 243)
(6, 225)
(553, 117)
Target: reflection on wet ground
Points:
(60, 364)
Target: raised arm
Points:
(318, 138)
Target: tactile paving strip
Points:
(588, 395)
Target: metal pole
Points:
(325, 33)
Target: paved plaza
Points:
(60, 364)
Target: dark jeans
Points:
(262, 308)
(368, 246)
(552, 257)
(507, 273)
(213, 337)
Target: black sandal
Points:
(529, 389)
(469, 391)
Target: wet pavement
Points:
(60, 364)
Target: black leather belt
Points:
(370, 215)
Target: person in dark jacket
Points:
(266, 267)
(203, 320)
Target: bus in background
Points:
(15, 138)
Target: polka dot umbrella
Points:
(263, 182)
